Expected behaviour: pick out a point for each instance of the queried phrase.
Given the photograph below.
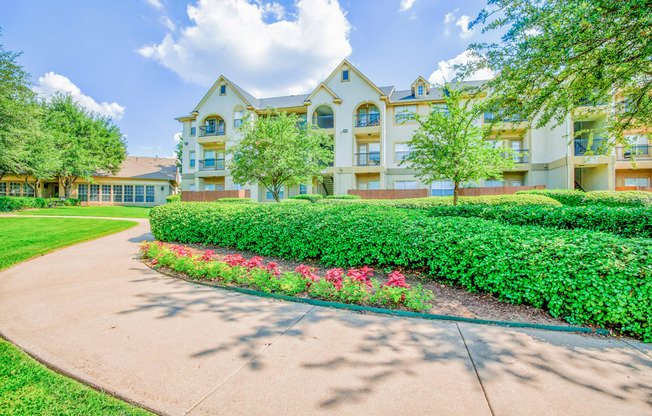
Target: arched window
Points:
(323, 117)
(213, 126)
(367, 115)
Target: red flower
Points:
(307, 272)
(271, 268)
(362, 275)
(207, 256)
(396, 279)
(234, 260)
(154, 262)
(253, 263)
(335, 277)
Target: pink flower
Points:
(362, 275)
(271, 268)
(396, 279)
(335, 277)
(307, 272)
(234, 260)
(253, 263)
(207, 256)
(154, 262)
(181, 251)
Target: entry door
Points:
(516, 147)
(362, 155)
(374, 153)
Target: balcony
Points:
(591, 102)
(521, 156)
(637, 152)
(211, 130)
(581, 146)
(367, 120)
(324, 122)
(211, 164)
(367, 159)
(500, 116)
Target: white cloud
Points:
(50, 83)
(463, 23)
(155, 3)
(232, 37)
(406, 5)
(446, 72)
(165, 21)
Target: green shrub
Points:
(14, 203)
(582, 276)
(433, 201)
(234, 201)
(73, 202)
(624, 221)
(607, 198)
(294, 201)
(343, 197)
(310, 197)
(173, 198)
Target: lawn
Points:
(110, 211)
(24, 238)
(29, 388)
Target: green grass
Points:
(111, 211)
(29, 388)
(24, 238)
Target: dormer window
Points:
(420, 90)
(345, 75)
(222, 89)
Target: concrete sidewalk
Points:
(94, 311)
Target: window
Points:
(193, 128)
(237, 187)
(637, 182)
(440, 108)
(237, 118)
(401, 150)
(129, 193)
(191, 162)
(345, 75)
(3, 188)
(94, 193)
(374, 185)
(492, 183)
(270, 196)
(220, 187)
(405, 185)
(442, 188)
(209, 187)
(28, 190)
(222, 89)
(82, 192)
(402, 113)
(191, 187)
(140, 193)
(517, 183)
(14, 189)
(117, 193)
(149, 193)
(420, 90)
(106, 193)
(303, 189)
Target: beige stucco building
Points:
(370, 135)
(141, 181)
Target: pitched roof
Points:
(283, 102)
(433, 94)
(138, 167)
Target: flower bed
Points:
(356, 286)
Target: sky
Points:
(145, 62)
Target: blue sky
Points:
(144, 62)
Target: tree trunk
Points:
(456, 192)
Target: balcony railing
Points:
(323, 122)
(591, 102)
(637, 152)
(500, 116)
(521, 156)
(581, 146)
(212, 130)
(211, 164)
(367, 159)
(367, 120)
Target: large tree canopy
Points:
(19, 113)
(449, 144)
(278, 150)
(558, 54)
(87, 143)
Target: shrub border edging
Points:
(393, 312)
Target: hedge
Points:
(294, 201)
(14, 203)
(343, 197)
(310, 197)
(234, 201)
(624, 221)
(607, 198)
(433, 201)
(582, 276)
(173, 198)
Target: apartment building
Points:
(371, 130)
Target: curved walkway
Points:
(94, 311)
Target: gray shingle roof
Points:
(138, 167)
(434, 94)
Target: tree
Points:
(19, 113)
(87, 143)
(449, 143)
(556, 54)
(277, 151)
(41, 160)
(178, 152)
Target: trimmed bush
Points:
(434, 201)
(624, 221)
(173, 198)
(234, 201)
(607, 198)
(343, 197)
(294, 201)
(310, 197)
(14, 203)
(582, 276)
